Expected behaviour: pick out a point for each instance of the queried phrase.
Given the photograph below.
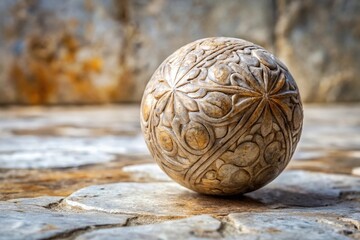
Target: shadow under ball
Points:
(222, 116)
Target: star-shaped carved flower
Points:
(267, 84)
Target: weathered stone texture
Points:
(297, 225)
(199, 227)
(157, 28)
(319, 40)
(290, 189)
(31, 221)
(316, 197)
(53, 52)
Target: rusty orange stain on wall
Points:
(49, 69)
(57, 59)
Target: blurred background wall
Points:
(99, 51)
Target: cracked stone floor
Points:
(85, 173)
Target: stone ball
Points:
(222, 116)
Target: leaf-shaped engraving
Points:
(190, 60)
(209, 44)
(216, 104)
(193, 73)
(188, 88)
(203, 74)
(188, 102)
(265, 58)
(259, 139)
(167, 73)
(220, 131)
(146, 106)
(267, 122)
(250, 60)
(246, 75)
(169, 113)
(257, 72)
(219, 73)
(273, 77)
(245, 51)
(219, 163)
(159, 108)
(164, 139)
(269, 138)
(182, 71)
(255, 128)
(286, 94)
(273, 152)
(233, 59)
(244, 88)
(242, 176)
(279, 117)
(266, 79)
(226, 170)
(279, 84)
(176, 126)
(297, 117)
(244, 155)
(180, 111)
(222, 56)
(284, 108)
(160, 89)
(236, 80)
(184, 161)
(209, 63)
(198, 94)
(199, 52)
(241, 104)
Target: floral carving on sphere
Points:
(222, 116)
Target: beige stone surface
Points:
(158, 199)
(146, 172)
(290, 189)
(199, 227)
(291, 225)
(27, 220)
(316, 197)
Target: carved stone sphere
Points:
(222, 116)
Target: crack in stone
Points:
(69, 235)
(54, 205)
(142, 220)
